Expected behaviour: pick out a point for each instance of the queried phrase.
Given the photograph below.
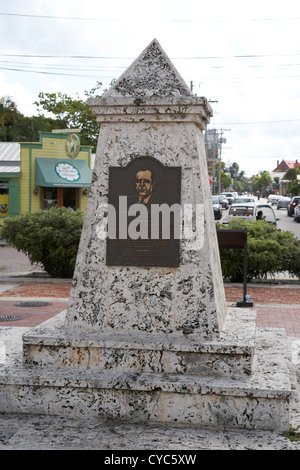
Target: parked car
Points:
(291, 206)
(250, 211)
(229, 196)
(217, 206)
(283, 202)
(272, 199)
(243, 199)
(297, 213)
(223, 200)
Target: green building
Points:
(54, 172)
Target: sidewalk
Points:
(276, 305)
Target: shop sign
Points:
(67, 172)
(72, 146)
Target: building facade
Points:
(279, 173)
(286, 165)
(10, 172)
(54, 172)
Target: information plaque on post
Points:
(144, 219)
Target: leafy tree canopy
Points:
(8, 118)
(73, 112)
(261, 181)
(67, 112)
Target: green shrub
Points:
(52, 238)
(47, 237)
(268, 251)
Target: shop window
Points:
(49, 198)
(4, 198)
(70, 198)
(60, 197)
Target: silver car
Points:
(223, 200)
(283, 202)
(297, 213)
(273, 198)
(217, 206)
(230, 197)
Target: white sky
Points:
(245, 56)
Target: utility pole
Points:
(221, 141)
(214, 141)
(211, 151)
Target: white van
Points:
(250, 210)
(230, 197)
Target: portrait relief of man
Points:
(144, 187)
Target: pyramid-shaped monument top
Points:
(151, 74)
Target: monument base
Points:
(189, 383)
(135, 351)
(244, 304)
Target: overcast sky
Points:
(243, 56)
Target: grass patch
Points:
(293, 434)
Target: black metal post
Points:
(246, 302)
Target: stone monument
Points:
(148, 335)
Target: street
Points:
(284, 222)
(287, 223)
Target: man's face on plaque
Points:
(144, 184)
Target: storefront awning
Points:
(62, 173)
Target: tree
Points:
(276, 182)
(73, 112)
(292, 175)
(221, 172)
(226, 180)
(68, 112)
(15, 127)
(27, 128)
(8, 118)
(234, 170)
(261, 181)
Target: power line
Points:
(51, 73)
(32, 56)
(23, 67)
(201, 20)
(244, 56)
(60, 67)
(258, 122)
(52, 17)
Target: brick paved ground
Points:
(32, 316)
(277, 306)
(268, 294)
(54, 288)
(280, 317)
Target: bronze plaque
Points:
(143, 225)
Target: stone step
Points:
(229, 355)
(260, 401)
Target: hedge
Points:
(52, 238)
(47, 237)
(269, 251)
